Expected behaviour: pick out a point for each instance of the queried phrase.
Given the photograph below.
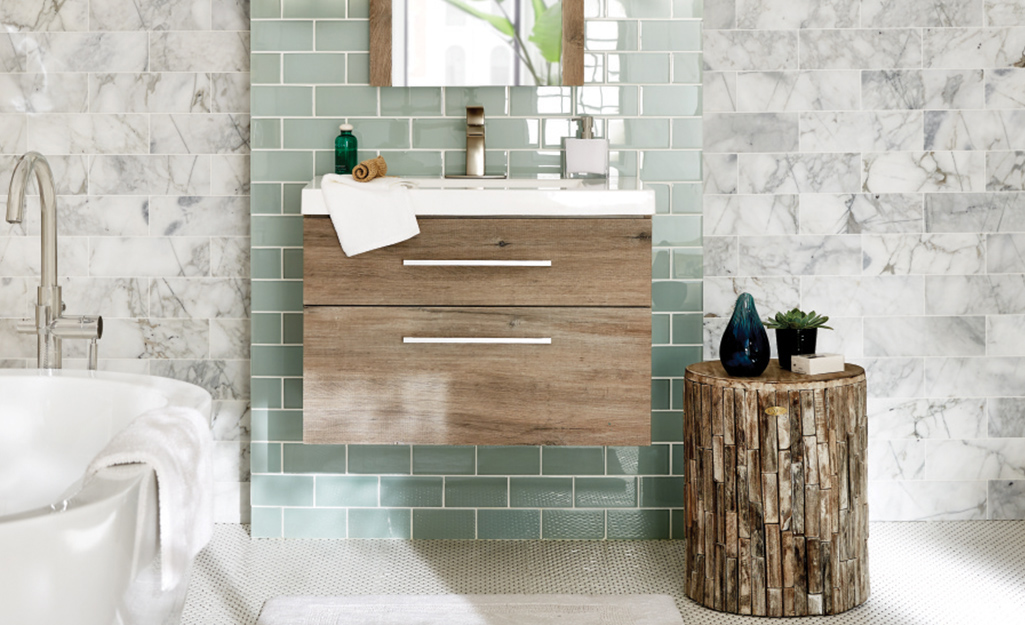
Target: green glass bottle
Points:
(345, 150)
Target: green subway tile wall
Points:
(310, 69)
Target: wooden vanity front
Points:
(480, 331)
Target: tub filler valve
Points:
(50, 325)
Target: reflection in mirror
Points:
(476, 42)
(431, 43)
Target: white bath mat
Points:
(472, 610)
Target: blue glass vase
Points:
(744, 348)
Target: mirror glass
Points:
(473, 43)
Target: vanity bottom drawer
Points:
(477, 376)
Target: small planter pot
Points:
(794, 342)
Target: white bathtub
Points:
(74, 552)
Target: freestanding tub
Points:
(73, 550)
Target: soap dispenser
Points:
(585, 156)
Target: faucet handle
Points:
(475, 116)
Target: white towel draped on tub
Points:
(368, 215)
(178, 444)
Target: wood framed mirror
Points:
(475, 43)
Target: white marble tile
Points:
(770, 294)
(974, 377)
(749, 214)
(791, 14)
(725, 50)
(229, 92)
(896, 459)
(83, 215)
(151, 256)
(896, 14)
(923, 172)
(925, 336)
(229, 257)
(169, 92)
(69, 173)
(110, 297)
(798, 91)
(152, 15)
(229, 338)
(198, 298)
(229, 174)
(214, 51)
(975, 295)
(1005, 171)
(915, 500)
(1007, 500)
(18, 295)
(800, 255)
(953, 89)
(21, 256)
(861, 213)
(719, 173)
(719, 92)
(1006, 417)
(924, 418)
(1004, 13)
(230, 14)
(224, 379)
(156, 338)
(975, 212)
(149, 175)
(199, 134)
(1005, 336)
(199, 216)
(720, 256)
(975, 459)
(89, 134)
(231, 420)
(857, 48)
(894, 377)
(874, 131)
(231, 502)
(83, 52)
(975, 130)
(892, 89)
(799, 173)
(1005, 88)
(857, 296)
(14, 344)
(902, 254)
(712, 331)
(972, 48)
(43, 93)
(1005, 253)
(13, 134)
(847, 336)
(44, 16)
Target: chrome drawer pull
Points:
(495, 340)
(477, 263)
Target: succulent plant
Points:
(797, 319)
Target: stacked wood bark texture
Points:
(776, 491)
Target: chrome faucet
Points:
(475, 145)
(50, 325)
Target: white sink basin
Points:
(513, 197)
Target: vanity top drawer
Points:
(482, 261)
(477, 375)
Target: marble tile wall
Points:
(142, 109)
(866, 159)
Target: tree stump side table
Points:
(776, 491)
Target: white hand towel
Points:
(178, 444)
(369, 215)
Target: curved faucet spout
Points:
(34, 162)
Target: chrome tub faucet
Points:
(50, 325)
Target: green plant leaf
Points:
(500, 23)
(547, 31)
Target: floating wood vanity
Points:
(483, 330)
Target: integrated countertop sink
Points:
(513, 197)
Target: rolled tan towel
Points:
(370, 169)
